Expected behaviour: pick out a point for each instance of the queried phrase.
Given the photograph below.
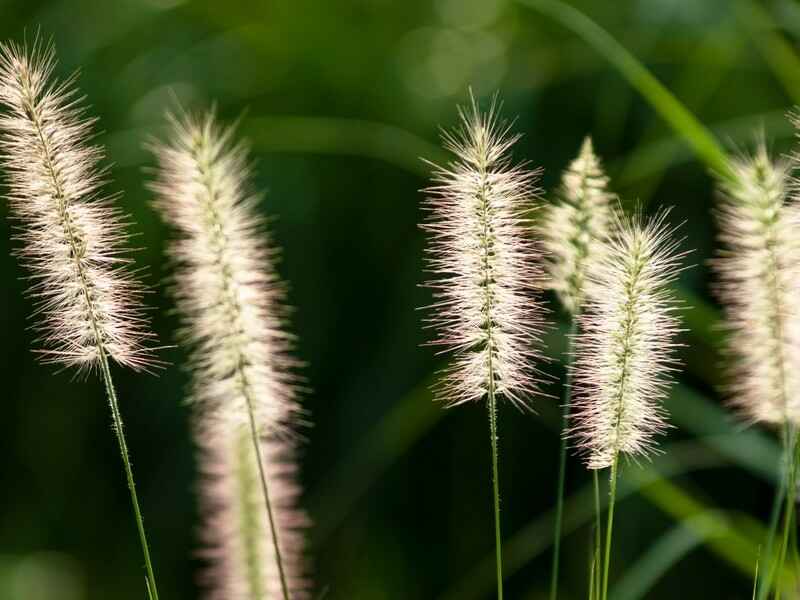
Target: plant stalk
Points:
(765, 583)
(598, 532)
(123, 450)
(265, 490)
(495, 488)
(791, 447)
(609, 525)
(562, 463)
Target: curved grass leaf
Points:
(660, 98)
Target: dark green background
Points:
(340, 98)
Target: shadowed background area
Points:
(339, 101)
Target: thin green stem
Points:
(123, 450)
(598, 530)
(487, 237)
(790, 441)
(609, 525)
(765, 584)
(265, 490)
(562, 463)
(495, 488)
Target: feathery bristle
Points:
(624, 353)
(232, 305)
(73, 239)
(236, 531)
(574, 230)
(759, 286)
(485, 263)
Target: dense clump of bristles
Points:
(485, 264)
(575, 228)
(72, 239)
(232, 305)
(624, 351)
(759, 286)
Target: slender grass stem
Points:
(598, 531)
(562, 463)
(265, 490)
(495, 488)
(609, 526)
(765, 584)
(791, 447)
(123, 450)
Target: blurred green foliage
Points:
(340, 99)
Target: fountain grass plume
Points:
(575, 228)
(758, 270)
(625, 350)
(486, 272)
(625, 353)
(485, 264)
(73, 239)
(244, 385)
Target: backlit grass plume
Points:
(758, 270)
(575, 228)
(486, 271)
(232, 305)
(72, 238)
(624, 352)
(485, 264)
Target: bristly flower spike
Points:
(73, 239)
(625, 348)
(486, 270)
(486, 265)
(575, 228)
(624, 354)
(232, 305)
(759, 286)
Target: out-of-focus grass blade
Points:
(652, 159)
(659, 97)
(750, 448)
(735, 546)
(696, 85)
(343, 137)
(640, 577)
(777, 52)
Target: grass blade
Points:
(660, 98)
